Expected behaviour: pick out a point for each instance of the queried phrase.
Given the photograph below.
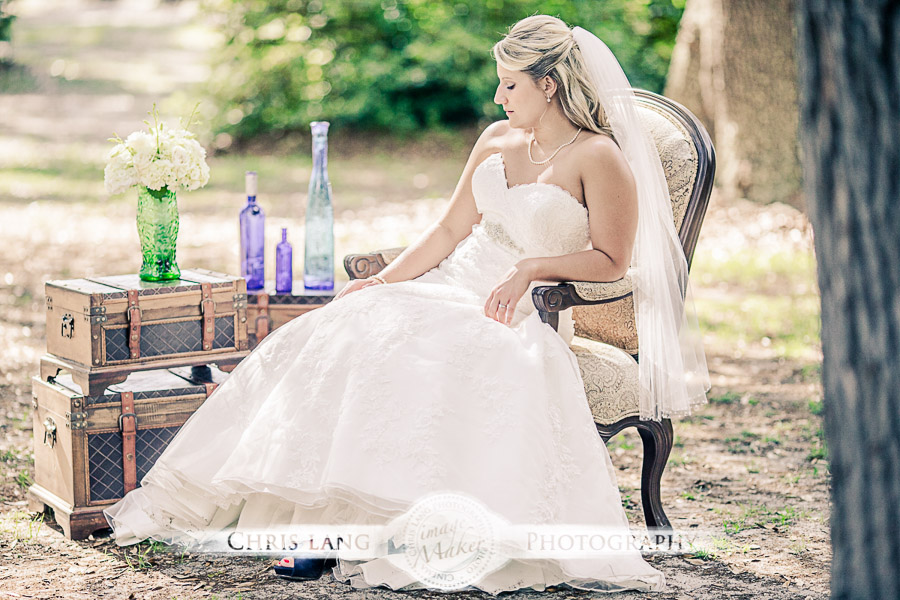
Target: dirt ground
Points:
(748, 468)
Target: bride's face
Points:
(521, 98)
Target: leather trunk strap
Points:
(134, 324)
(210, 386)
(262, 319)
(208, 312)
(128, 426)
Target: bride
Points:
(437, 374)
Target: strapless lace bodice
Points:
(536, 219)
(523, 221)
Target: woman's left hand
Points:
(508, 291)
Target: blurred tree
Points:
(734, 66)
(399, 66)
(6, 21)
(849, 86)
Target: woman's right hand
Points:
(355, 285)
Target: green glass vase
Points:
(157, 225)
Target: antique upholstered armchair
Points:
(605, 341)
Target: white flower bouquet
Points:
(160, 158)
(158, 163)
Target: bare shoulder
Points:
(600, 154)
(496, 137)
(497, 130)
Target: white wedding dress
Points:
(353, 411)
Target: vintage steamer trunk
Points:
(89, 451)
(268, 310)
(103, 328)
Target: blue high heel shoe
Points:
(303, 569)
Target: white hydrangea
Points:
(169, 158)
(119, 174)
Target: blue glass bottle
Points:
(284, 272)
(253, 243)
(318, 257)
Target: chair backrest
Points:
(689, 163)
(688, 158)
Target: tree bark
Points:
(849, 91)
(734, 66)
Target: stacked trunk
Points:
(128, 363)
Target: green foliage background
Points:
(399, 65)
(6, 21)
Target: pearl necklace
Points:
(549, 158)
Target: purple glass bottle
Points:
(253, 243)
(284, 273)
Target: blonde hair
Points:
(543, 46)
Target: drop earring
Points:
(548, 99)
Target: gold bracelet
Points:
(378, 278)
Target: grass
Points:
(717, 547)
(142, 553)
(818, 443)
(745, 442)
(758, 271)
(726, 398)
(765, 299)
(23, 526)
(620, 442)
(811, 372)
(283, 180)
(759, 515)
(819, 451)
(628, 502)
(789, 326)
(795, 478)
(23, 479)
(13, 456)
(681, 459)
(704, 554)
(797, 548)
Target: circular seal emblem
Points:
(448, 541)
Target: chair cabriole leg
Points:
(657, 437)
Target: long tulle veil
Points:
(672, 363)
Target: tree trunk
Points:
(849, 91)
(734, 66)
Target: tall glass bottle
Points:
(253, 244)
(284, 272)
(318, 258)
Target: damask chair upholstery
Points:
(605, 342)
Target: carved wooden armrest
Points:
(360, 266)
(552, 299)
